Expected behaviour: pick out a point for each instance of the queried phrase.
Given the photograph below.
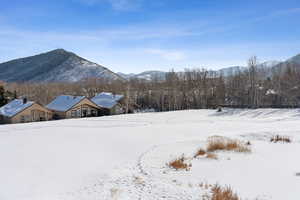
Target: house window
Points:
(73, 113)
(84, 113)
(22, 118)
(94, 113)
(78, 113)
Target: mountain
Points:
(269, 64)
(147, 75)
(161, 75)
(126, 76)
(54, 66)
(295, 59)
(63, 66)
(230, 71)
(282, 66)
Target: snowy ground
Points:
(125, 156)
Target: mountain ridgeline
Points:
(54, 66)
(63, 66)
(268, 67)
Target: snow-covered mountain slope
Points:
(269, 64)
(230, 71)
(124, 157)
(282, 66)
(295, 59)
(147, 75)
(58, 65)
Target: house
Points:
(67, 106)
(21, 110)
(110, 103)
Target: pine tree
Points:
(3, 99)
(15, 95)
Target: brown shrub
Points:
(200, 152)
(223, 193)
(278, 138)
(212, 156)
(215, 145)
(179, 164)
(225, 144)
(232, 145)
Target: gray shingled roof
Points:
(14, 107)
(107, 100)
(64, 102)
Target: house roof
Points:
(107, 100)
(64, 102)
(14, 107)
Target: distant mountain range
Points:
(147, 75)
(54, 66)
(295, 59)
(62, 66)
(228, 71)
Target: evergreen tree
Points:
(3, 99)
(15, 95)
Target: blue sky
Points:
(139, 35)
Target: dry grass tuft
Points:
(282, 139)
(215, 146)
(226, 193)
(200, 152)
(225, 144)
(179, 164)
(212, 156)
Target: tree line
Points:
(255, 87)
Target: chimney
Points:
(24, 100)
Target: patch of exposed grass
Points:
(179, 164)
(226, 144)
(223, 193)
(212, 156)
(200, 152)
(215, 143)
(282, 139)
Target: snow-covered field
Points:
(125, 156)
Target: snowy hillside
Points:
(124, 157)
(230, 71)
(295, 59)
(147, 75)
(58, 65)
